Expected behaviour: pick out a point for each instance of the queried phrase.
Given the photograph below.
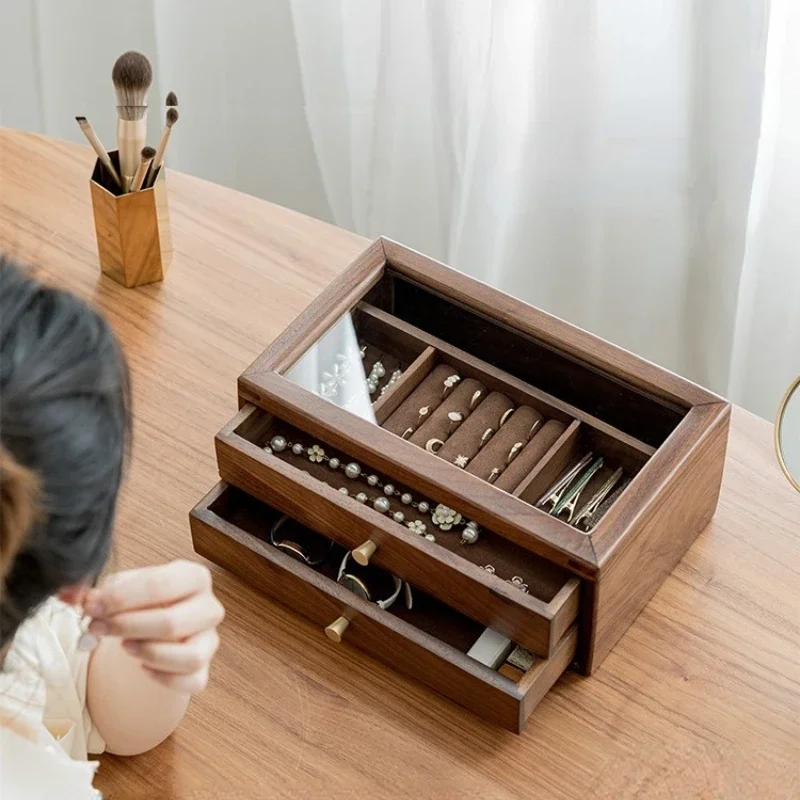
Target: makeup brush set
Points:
(138, 163)
(129, 201)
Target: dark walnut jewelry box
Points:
(483, 405)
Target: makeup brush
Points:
(132, 76)
(147, 158)
(97, 146)
(172, 100)
(158, 161)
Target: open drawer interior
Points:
(423, 637)
(472, 415)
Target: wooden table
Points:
(701, 697)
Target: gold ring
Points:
(505, 417)
(514, 452)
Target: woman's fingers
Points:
(185, 684)
(147, 588)
(177, 658)
(176, 622)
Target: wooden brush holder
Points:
(134, 242)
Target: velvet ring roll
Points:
(462, 446)
(439, 424)
(531, 455)
(495, 454)
(427, 395)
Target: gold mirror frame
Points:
(795, 386)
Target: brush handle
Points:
(158, 159)
(91, 137)
(131, 136)
(138, 178)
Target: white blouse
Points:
(46, 732)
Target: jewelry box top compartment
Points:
(504, 422)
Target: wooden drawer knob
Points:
(364, 552)
(336, 629)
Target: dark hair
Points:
(64, 428)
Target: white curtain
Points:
(630, 165)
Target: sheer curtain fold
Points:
(608, 161)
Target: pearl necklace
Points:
(442, 516)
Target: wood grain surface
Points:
(700, 698)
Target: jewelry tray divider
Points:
(670, 432)
(427, 644)
(536, 620)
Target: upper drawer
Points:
(428, 643)
(444, 568)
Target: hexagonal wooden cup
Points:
(134, 242)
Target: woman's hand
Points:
(167, 618)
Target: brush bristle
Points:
(132, 76)
(148, 153)
(172, 116)
(172, 99)
(80, 120)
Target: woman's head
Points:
(64, 427)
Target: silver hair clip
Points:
(553, 495)
(588, 510)
(569, 501)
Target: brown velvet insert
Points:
(544, 579)
(428, 393)
(438, 425)
(521, 466)
(466, 441)
(495, 454)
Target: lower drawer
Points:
(429, 645)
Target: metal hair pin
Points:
(553, 495)
(587, 511)
(569, 501)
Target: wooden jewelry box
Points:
(482, 406)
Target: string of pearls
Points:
(442, 516)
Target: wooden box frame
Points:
(639, 541)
